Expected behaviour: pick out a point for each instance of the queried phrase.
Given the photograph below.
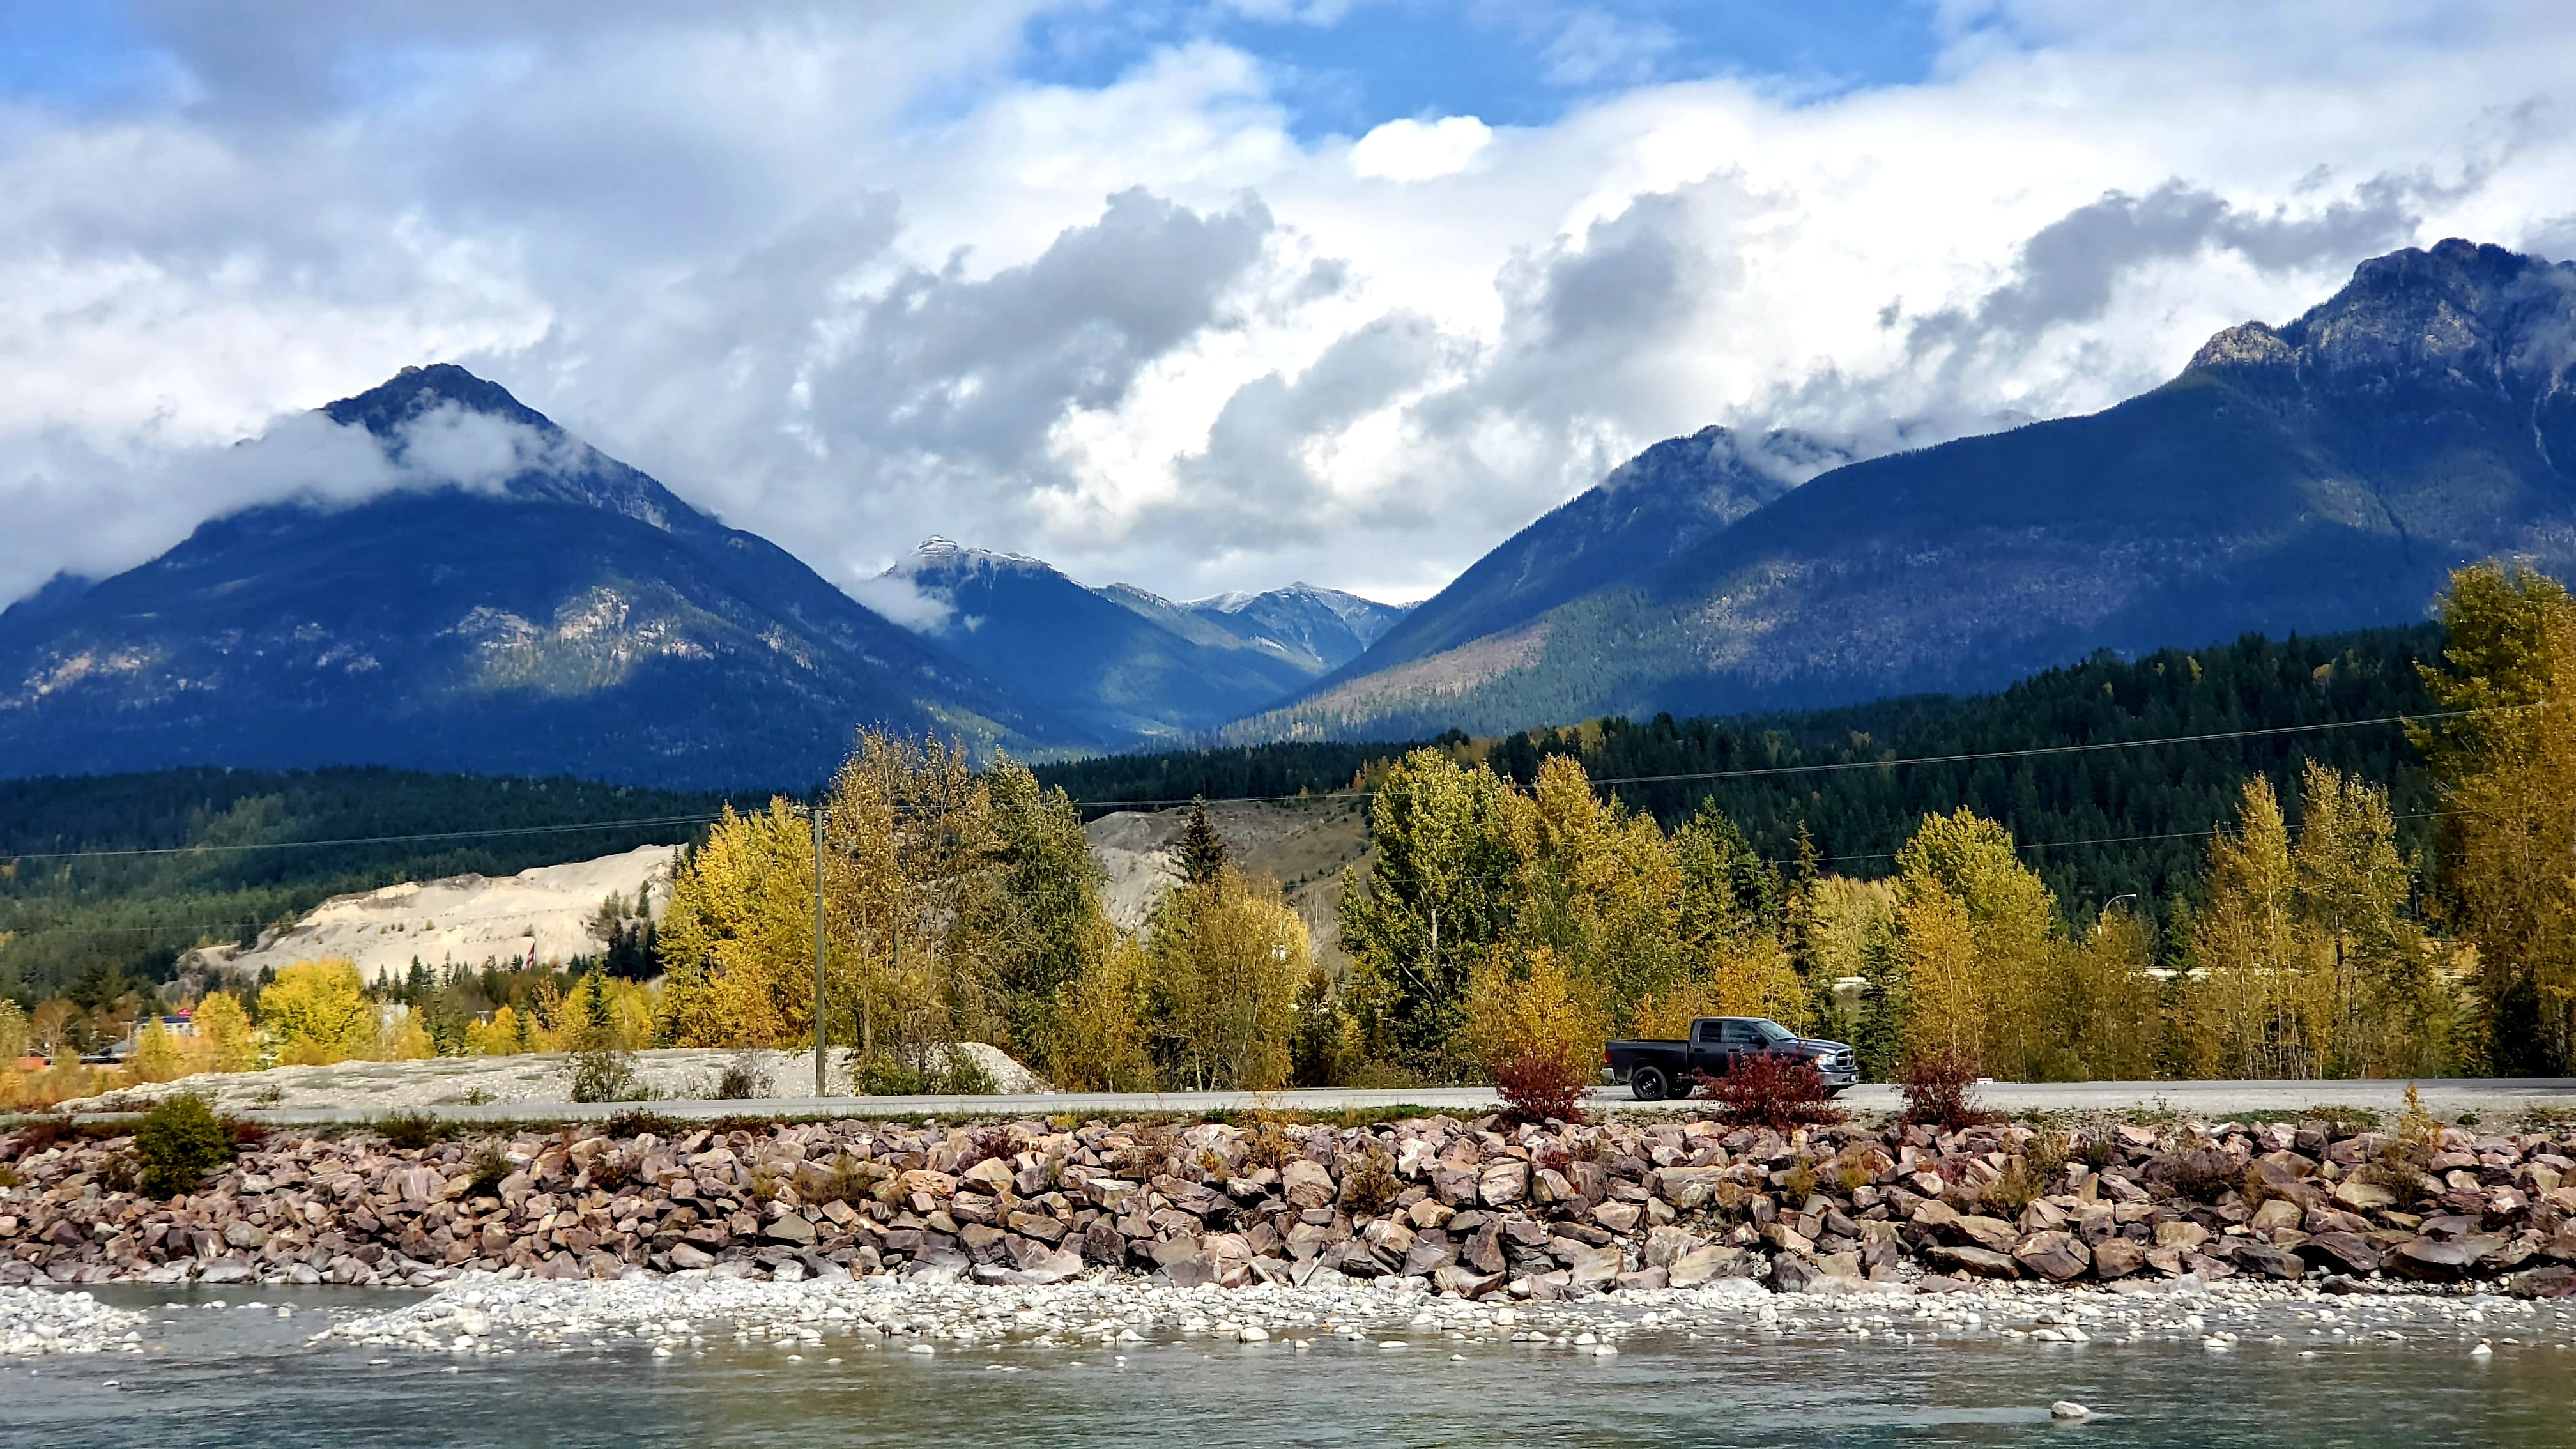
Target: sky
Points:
(1196, 296)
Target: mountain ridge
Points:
(2319, 476)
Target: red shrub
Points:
(1940, 1089)
(1541, 1087)
(1774, 1090)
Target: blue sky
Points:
(1508, 64)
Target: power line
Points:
(360, 840)
(1754, 772)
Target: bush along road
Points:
(1476, 1207)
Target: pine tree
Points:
(1202, 851)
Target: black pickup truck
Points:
(1653, 1068)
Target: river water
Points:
(244, 1376)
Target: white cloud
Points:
(836, 276)
(1410, 150)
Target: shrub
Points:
(635, 1123)
(491, 1166)
(947, 1070)
(1540, 1086)
(2203, 1174)
(180, 1141)
(1774, 1090)
(410, 1131)
(743, 1079)
(1940, 1089)
(1853, 1170)
(1369, 1185)
(1800, 1181)
(2016, 1187)
(603, 1070)
(1272, 1148)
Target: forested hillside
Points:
(2148, 809)
(95, 924)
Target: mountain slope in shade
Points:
(2318, 476)
(1648, 511)
(571, 617)
(1118, 664)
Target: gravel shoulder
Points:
(538, 1087)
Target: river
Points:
(245, 1376)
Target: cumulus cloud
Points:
(1410, 150)
(838, 275)
(81, 509)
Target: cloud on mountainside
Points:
(850, 277)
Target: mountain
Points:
(566, 615)
(2319, 476)
(1123, 664)
(1649, 510)
(1322, 628)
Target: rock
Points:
(1306, 1184)
(1594, 1265)
(2274, 1215)
(2555, 1281)
(1795, 1273)
(1982, 1262)
(1993, 1234)
(992, 1172)
(1618, 1217)
(2181, 1233)
(685, 1256)
(1465, 1283)
(1688, 1187)
(1701, 1264)
(1503, 1184)
(2340, 1252)
(1192, 1272)
(2068, 1409)
(2270, 1261)
(2362, 1196)
(2439, 1260)
(2117, 1258)
(791, 1229)
(2057, 1256)
(1054, 1267)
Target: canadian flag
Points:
(532, 953)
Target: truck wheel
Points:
(1647, 1083)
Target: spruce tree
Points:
(1202, 849)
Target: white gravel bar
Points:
(682, 1315)
(36, 1321)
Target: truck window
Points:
(1736, 1033)
(1709, 1031)
(1771, 1031)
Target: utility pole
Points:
(818, 947)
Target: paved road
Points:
(2208, 1099)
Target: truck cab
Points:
(1653, 1069)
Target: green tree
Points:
(1438, 898)
(1202, 850)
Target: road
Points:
(2214, 1100)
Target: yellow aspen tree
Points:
(2254, 1012)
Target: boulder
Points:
(2117, 1258)
(2181, 1233)
(2275, 1214)
(1992, 1234)
(1688, 1187)
(791, 1229)
(1054, 1267)
(2268, 1260)
(2441, 1259)
(2555, 1281)
(1465, 1282)
(2363, 1197)
(1701, 1264)
(1979, 1262)
(2057, 1256)
(1306, 1184)
(1618, 1217)
(1795, 1273)
(2340, 1252)
(1503, 1184)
